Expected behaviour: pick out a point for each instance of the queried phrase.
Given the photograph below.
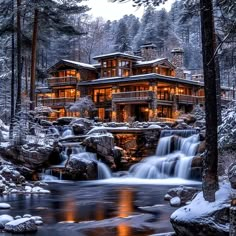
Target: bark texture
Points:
(210, 178)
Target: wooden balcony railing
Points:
(186, 99)
(60, 81)
(133, 96)
(56, 102)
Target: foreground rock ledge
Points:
(23, 225)
(203, 218)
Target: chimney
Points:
(148, 51)
(178, 61)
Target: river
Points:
(98, 208)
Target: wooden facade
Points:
(123, 88)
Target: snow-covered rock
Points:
(203, 218)
(175, 201)
(4, 205)
(5, 219)
(23, 225)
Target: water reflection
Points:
(70, 210)
(125, 208)
(106, 208)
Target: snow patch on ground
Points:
(199, 208)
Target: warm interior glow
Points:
(125, 208)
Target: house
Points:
(123, 86)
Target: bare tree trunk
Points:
(12, 75)
(19, 64)
(33, 60)
(210, 178)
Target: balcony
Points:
(56, 102)
(136, 96)
(186, 99)
(62, 81)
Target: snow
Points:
(175, 201)
(201, 208)
(17, 222)
(80, 64)
(5, 219)
(150, 62)
(115, 54)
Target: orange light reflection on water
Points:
(70, 210)
(125, 208)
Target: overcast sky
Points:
(115, 11)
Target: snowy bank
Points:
(204, 218)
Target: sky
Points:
(115, 11)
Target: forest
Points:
(35, 35)
(58, 24)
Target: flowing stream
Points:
(173, 157)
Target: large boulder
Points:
(81, 167)
(203, 218)
(30, 155)
(103, 145)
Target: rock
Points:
(39, 190)
(175, 201)
(184, 193)
(81, 167)
(197, 161)
(103, 145)
(167, 197)
(203, 218)
(64, 121)
(23, 225)
(5, 219)
(232, 175)
(27, 216)
(4, 205)
(83, 123)
(38, 222)
(78, 129)
(201, 147)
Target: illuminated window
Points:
(101, 113)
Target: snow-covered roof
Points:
(80, 64)
(133, 78)
(142, 63)
(117, 54)
(75, 64)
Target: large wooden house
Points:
(123, 86)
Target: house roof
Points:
(154, 62)
(74, 64)
(143, 77)
(117, 54)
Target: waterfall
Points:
(103, 171)
(67, 132)
(173, 157)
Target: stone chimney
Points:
(178, 61)
(148, 51)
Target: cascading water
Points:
(77, 151)
(172, 159)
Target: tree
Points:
(122, 38)
(83, 105)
